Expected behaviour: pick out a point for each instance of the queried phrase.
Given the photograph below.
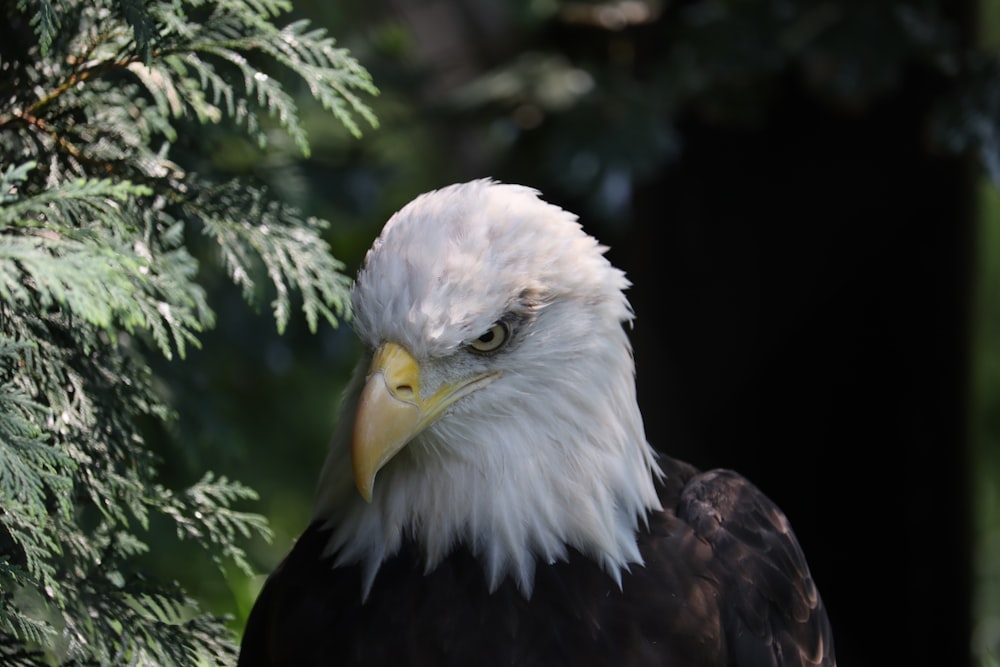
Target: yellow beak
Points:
(391, 411)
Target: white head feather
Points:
(552, 454)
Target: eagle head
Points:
(495, 409)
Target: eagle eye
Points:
(495, 338)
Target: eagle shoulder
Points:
(771, 612)
(724, 582)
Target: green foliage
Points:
(242, 222)
(102, 239)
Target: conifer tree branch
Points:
(101, 257)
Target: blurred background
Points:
(804, 195)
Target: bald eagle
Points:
(490, 498)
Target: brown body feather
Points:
(724, 582)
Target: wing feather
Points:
(774, 614)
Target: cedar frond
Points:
(101, 259)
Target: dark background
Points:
(790, 187)
(810, 292)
